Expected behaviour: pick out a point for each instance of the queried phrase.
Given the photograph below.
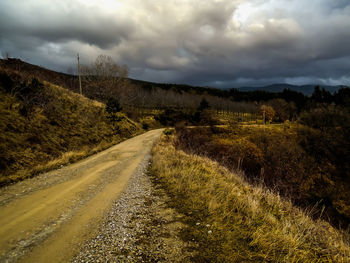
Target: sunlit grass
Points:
(235, 222)
(62, 128)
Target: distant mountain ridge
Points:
(305, 89)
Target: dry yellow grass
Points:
(235, 222)
(65, 159)
(61, 128)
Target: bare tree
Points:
(5, 55)
(107, 78)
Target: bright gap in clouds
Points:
(242, 13)
(106, 4)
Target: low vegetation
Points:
(44, 126)
(233, 221)
(305, 164)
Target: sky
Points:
(216, 43)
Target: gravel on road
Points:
(140, 227)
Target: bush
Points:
(283, 110)
(6, 82)
(168, 132)
(113, 106)
(267, 112)
(170, 117)
(203, 105)
(148, 122)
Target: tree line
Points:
(105, 79)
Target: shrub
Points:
(203, 105)
(283, 110)
(267, 112)
(148, 122)
(113, 106)
(6, 82)
(170, 117)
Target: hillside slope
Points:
(129, 92)
(71, 81)
(234, 221)
(44, 126)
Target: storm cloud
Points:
(223, 43)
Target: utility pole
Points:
(81, 91)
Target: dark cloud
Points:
(216, 43)
(60, 24)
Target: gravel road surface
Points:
(101, 209)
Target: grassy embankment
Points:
(299, 162)
(233, 221)
(44, 126)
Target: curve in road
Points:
(62, 209)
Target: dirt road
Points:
(49, 217)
